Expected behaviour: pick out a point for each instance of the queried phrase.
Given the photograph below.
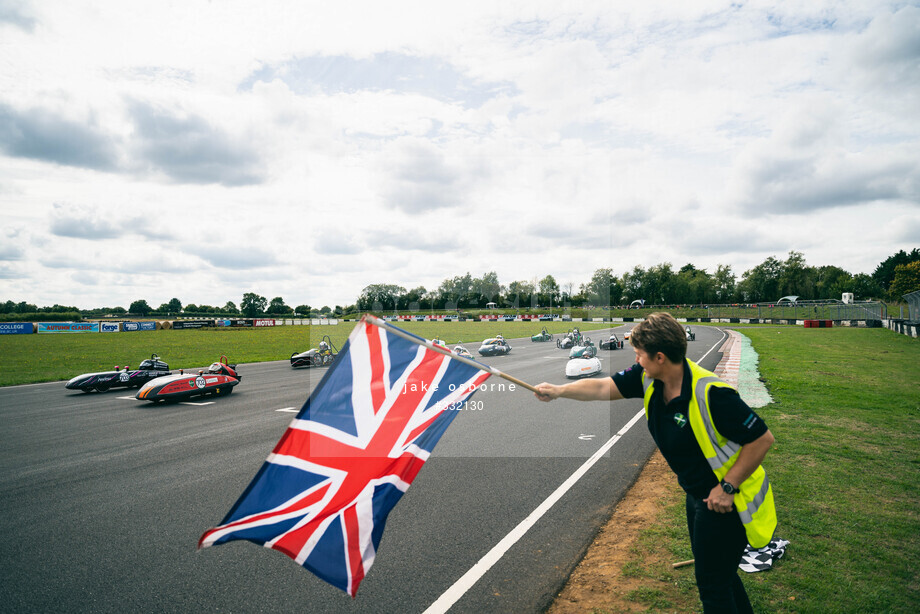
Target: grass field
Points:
(845, 470)
(26, 359)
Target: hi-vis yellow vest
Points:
(754, 502)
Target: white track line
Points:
(477, 571)
(455, 592)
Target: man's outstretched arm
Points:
(581, 390)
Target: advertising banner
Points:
(135, 326)
(68, 327)
(16, 328)
(184, 324)
(109, 327)
(263, 322)
(234, 323)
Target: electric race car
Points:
(577, 368)
(611, 343)
(691, 336)
(494, 346)
(569, 340)
(542, 336)
(149, 369)
(585, 349)
(316, 357)
(219, 379)
(460, 350)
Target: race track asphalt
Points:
(105, 497)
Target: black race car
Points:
(691, 336)
(611, 343)
(126, 377)
(494, 346)
(316, 357)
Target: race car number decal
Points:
(199, 382)
(124, 376)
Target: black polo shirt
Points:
(671, 430)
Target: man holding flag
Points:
(713, 442)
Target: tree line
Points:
(660, 284)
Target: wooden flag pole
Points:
(467, 361)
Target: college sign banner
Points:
(68, 327)
(16, 328)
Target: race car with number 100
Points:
(219, 380)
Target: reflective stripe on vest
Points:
(754, 502)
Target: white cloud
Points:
(308, 150)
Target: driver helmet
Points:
(323, 345)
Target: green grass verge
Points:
(26, 359)
(845, 470)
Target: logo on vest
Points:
(680, 420)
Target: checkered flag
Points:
(761, 559)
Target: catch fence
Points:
(803, 310)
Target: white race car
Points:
(582, 367)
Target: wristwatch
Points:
(728, 487)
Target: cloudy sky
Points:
(201, 150)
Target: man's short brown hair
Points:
(660, 332)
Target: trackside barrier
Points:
(138, 326)
(905, 327)
(186, 324)
(68, 327)
(16, 328)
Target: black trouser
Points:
(718, 541)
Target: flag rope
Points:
(467, 361)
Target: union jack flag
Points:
(323, 494)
